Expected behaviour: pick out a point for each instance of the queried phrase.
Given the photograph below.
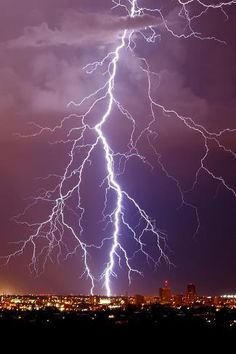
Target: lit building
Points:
(191, 289)
(165, 294)
(104, 301)
(191, 293)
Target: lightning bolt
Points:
(48, 237)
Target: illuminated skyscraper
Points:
(165, 293)
(191, 293)
(191, 289)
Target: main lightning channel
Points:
(113, 184)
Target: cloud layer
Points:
(80, 28)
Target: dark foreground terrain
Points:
(134, 329)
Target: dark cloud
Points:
(80, 29)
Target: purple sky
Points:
(44, 47)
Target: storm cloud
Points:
(79, 29)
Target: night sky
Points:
(44, 47)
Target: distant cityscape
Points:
(135, 319)
(68, 303)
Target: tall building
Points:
(191, 289)
(191, 293)
(165, 293)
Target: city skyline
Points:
(141, 180)
(188, 299)
(189, 288)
